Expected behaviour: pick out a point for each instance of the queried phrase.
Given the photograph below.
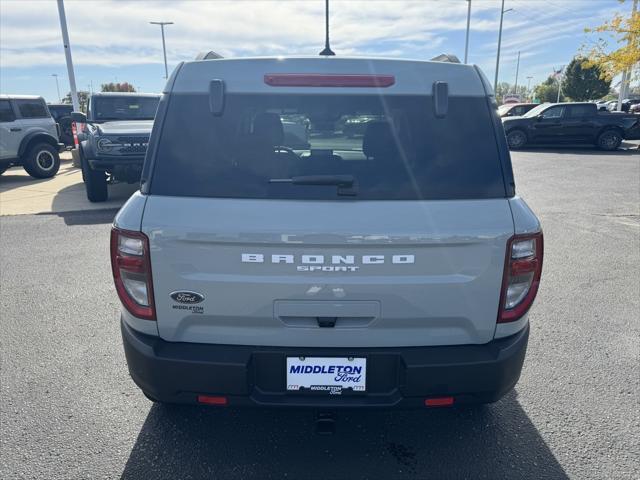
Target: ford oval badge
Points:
(187, 297)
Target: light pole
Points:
(529, 87)
(164, 48)
(502, 12)
(55, 75)
(67, 53)
(515, 88)
(624, 83)
(466, 42)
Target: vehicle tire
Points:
(516, 139)
(42, 161)
(95, 183)
(609, 140)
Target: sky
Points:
(112, 40)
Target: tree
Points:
(581, 82)
(118, 87)
(83, 96)
(547, 91)
(626, 32)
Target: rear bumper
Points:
(255, 376)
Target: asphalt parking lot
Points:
(69, 410)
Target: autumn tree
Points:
(625, 30)
(582, 82)
(118, 87)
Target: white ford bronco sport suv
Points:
(28, 136)
(270, 258)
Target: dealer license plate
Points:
(330, 375)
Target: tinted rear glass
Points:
(32, 108)
(124, 108)
(393, 147)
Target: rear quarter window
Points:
(32, 108)
(393, 146)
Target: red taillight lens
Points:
(322, 80)
(131, 267)
(74, 131)
(521, 278)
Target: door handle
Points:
(15, 129)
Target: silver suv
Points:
(276, 256)
(28, 136)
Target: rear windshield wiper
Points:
(345, 183)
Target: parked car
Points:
(114, 137)
(635, 108)
(628, 103)
(515, 109)
(601, 106)
(571, 123)
(28, 136)
(61, 113)
(392, 269)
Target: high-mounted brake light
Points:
(131, 267)
(322, 80)
(521, 278)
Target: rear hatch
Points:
(332, 219)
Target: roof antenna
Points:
(327, 52)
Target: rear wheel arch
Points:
(33, 139)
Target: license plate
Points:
(329, 375)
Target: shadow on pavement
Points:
(496, 441)
(86, 217)
(71, 204)
(624, 150)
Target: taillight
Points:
(328, 80)
(74, 131)
(131, 267)
(521, 278)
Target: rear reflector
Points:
(439, 402)
(209, 400)
(320, 80)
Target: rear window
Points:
(392, 147)
(6, 112)
(32, 108)
(124, 108)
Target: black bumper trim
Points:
(116, 161)
(255, 375)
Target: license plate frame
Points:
(339, 375)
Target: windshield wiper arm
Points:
(345, 183)
(338, 180)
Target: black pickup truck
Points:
(113, 139)
(571, 123)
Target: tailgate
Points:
(327, 273)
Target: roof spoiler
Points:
(446, 57)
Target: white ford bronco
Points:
(326, 232)
(29, 136)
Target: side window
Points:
(6, 112)
(577, 111)
(518, 111)
(553, 112)
(32, 108)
